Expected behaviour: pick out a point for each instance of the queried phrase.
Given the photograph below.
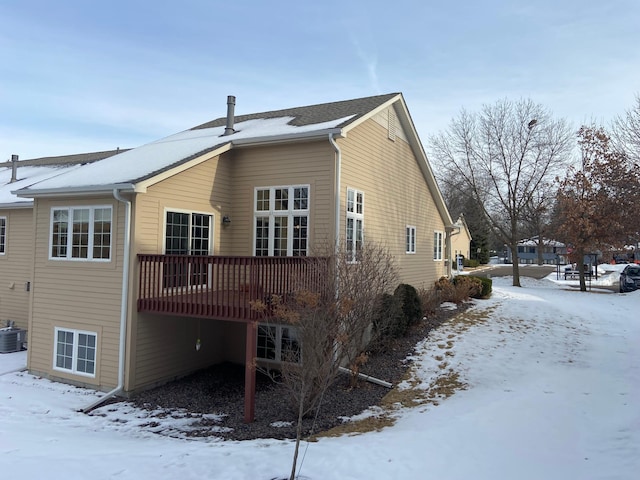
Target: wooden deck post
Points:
(250, 372)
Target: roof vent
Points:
(14, 168)
(231, 104)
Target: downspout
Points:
(337, 200)
(124, 303)
(449, 232)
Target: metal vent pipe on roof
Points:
(231, 104)
(14, 168)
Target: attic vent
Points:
(392, 125)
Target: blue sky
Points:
(78, 76)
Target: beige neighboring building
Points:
(144, 263)
(461, 239)
(16, 228)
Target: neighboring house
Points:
(16, 228)
(144, 263)
(461, 239)
(553, 252)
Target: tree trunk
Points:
(580, 267)
(516, 266)
(298, 432)
(540, 249)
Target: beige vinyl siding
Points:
(204, 188)
(162, 347)
(395, 195)
(460, 244)
(15, 266)
(82, 295)
(310, 163)
(166, 347)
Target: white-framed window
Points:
(437, 245)
(281, 220)
(186, 233)
(410, 239)
(278, 343)
(3, 235)
(81, 233)
(75, 351)
(355, 223)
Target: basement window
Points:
(75, 351)
(278, 343)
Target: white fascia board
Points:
(16, 205)
(91, 190)
(372, 113)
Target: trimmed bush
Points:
(390, 320)
(466, 287)
(445, 290)
(409, 300)
(487, 286)
(468, 262)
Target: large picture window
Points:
(81, 233)
(437, 245)
(355, 224)
(3, 235)
(75, 351)
(278, 343)
(186, 233)
(281, 221)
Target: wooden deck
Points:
(222, 287)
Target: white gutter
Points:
(124, 303)
(284, 138)
(28, 192)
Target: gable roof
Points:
(136, 169)
(462, 223)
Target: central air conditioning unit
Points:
(11, 339)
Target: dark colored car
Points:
(630, 278)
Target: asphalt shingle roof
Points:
(313, 114)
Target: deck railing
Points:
(222, 287)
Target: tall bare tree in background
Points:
(503, 155)
(598, 201)
(625, 132)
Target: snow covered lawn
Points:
(548, 387)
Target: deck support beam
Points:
(250, 372)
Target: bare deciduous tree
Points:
(330, 325)
(625, 132)
(502, 155)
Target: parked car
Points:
(630, 278)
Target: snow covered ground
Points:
(550, 381)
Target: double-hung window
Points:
(3, 235)
(410, 239)
(81, 233)
(281, 216)
(186, 233)
(355, 224)
(437, 245)
(278, 343)
(75, 351)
